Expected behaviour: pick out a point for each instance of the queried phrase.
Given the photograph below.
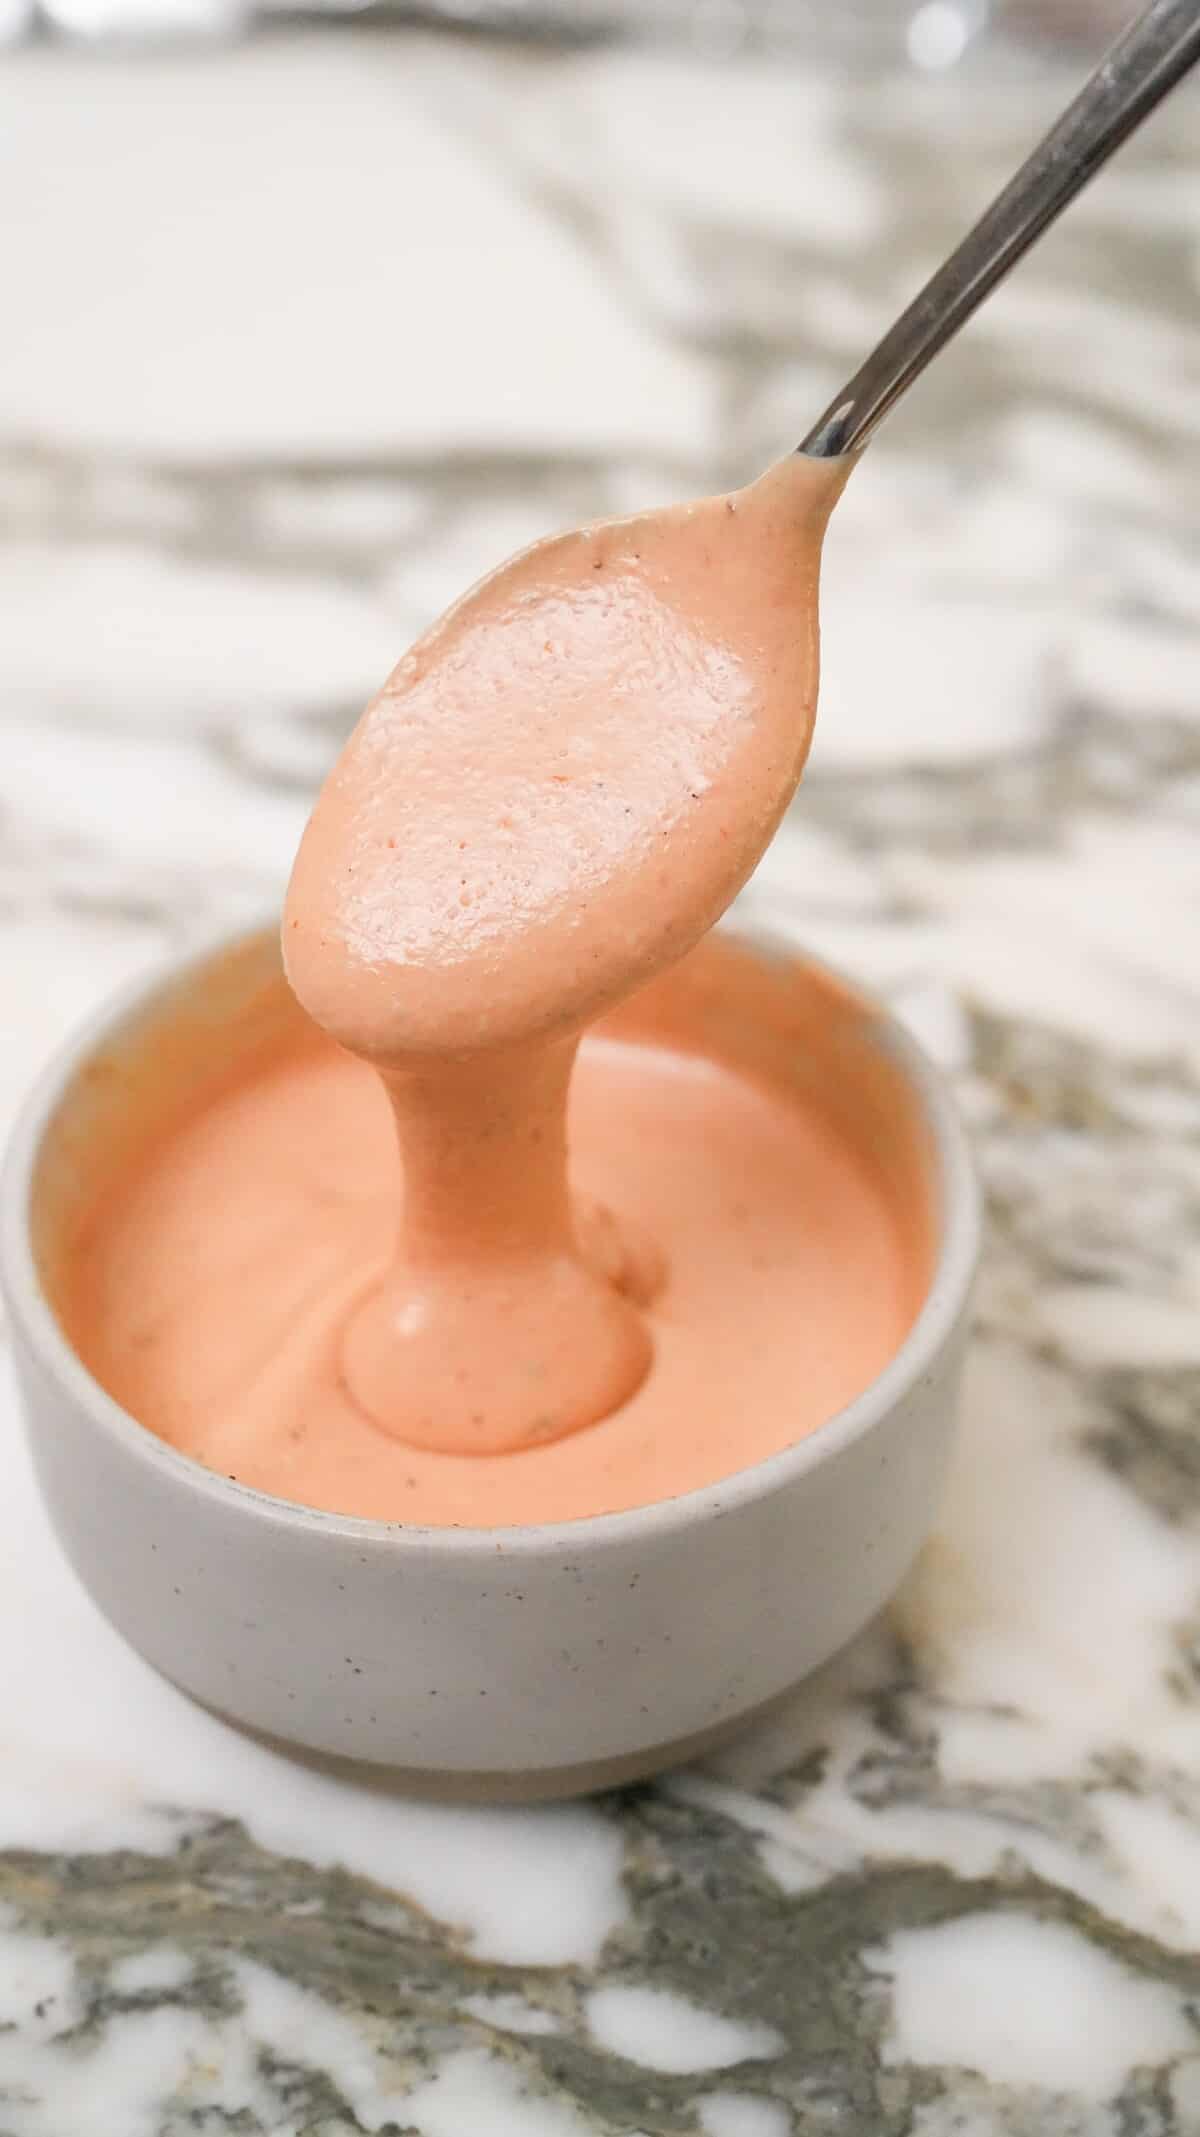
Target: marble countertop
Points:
(306, 335)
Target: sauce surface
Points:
(211, 1290)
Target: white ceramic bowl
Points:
(503, 1663)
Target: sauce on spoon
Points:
(557, 792)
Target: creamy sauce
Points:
(557, 792)
(466, 1254)
(211, 1290)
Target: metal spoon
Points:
(1154, 53)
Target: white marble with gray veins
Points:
(298, 339)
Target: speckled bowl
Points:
(493, 1664)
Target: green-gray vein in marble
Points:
(706, 1922)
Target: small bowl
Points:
(607, 1648)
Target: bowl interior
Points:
(770, 1014)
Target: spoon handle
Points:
(1152, 55)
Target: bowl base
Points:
(548, 1784)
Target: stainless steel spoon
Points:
(1154, 53)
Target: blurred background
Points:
(932, 35)
(313, 315)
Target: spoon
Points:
(1148, 60)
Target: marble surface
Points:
(299, 339)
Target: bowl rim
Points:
(946, 1300)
